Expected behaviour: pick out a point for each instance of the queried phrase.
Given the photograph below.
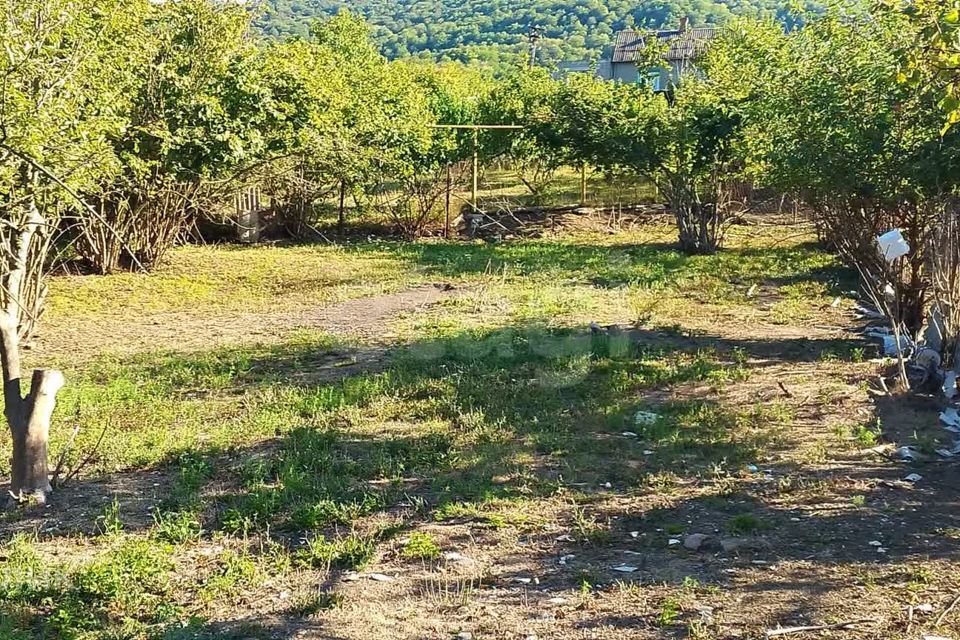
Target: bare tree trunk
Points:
(28, 417)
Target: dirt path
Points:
(366, 319)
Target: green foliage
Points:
(352, 552)
(235, 571)
(495, 33)
(421, 546)
(109, 524)
(177, 527)
(125, 586)
(933, 65)
(745, 523)
(828, 118)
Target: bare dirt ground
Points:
(364, 319)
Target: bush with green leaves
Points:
(830, 119)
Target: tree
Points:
(65, 90)
(198, 114)
(527, 98)
(831, 121)
(937, 61)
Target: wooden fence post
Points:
(583, 184)
(341, 221)
(446, 226)
(476, 172)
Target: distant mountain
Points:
(495, 31)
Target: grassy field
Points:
(463, 456)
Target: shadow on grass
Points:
(453, 428)
(453, 413)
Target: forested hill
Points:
(494, 31)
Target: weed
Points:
(669, 612)
(865, 435)
(951, 533)
(109, 523)
(351, 552)
(589, 529)
(446, 593)
(177, 527)
(689, 584)
(744, 523)
(308, 606)
(421, 546)
(919, 578)
(235, 571)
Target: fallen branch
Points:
(944, 613)
(787, 631)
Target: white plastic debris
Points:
(914, 477)
(752, 290)
(647, 452)
(564, 538)
(875, 543)
(645, 418)
(881, 550)
(634, 534)
(926, 607)
(629, 434)
(625, 568)
(380, 577)
(893, 245)
(556, 600)
(673, 542)
(950, 417)
(906, 454)
(866, 313)
(523, 580)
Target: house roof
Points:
(680, 45)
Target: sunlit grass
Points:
(495, 405)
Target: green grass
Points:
(421, 546)
(350, 552)
(497, 407)
(125, 586)
(202, 279)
